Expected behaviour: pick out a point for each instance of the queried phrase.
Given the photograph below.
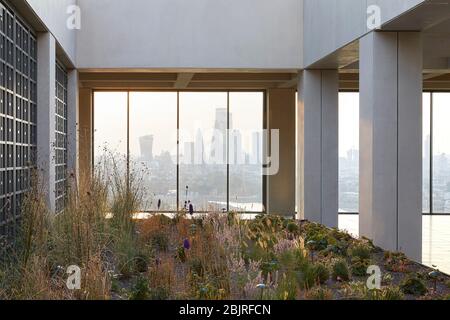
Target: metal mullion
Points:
(128, 142)
(228, 150)
(431, 154)
(178, 151)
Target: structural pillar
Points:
(280, 177)
(391, 141)
(72, 123)
(85, 133)
(46, 85)
(317, 152)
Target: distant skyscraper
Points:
(256, 155)
(353, 155)
(146, 145)
(237, 155)
(188, 155)
(199, 155)
(220, 127)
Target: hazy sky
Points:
(348, 122)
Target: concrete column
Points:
(391, 141)
(280, 187)
(46, 73)
(317, 136)
(85, 132)
(72, 122)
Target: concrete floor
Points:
(435, 238)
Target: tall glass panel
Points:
(153, 147)
(348, 152)
(110, 130)
(426, 152)
(441, 153)
(245, 149)
(203, 146)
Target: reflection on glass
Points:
(245, 147)
(203, 169)
(153, 147)
(441, 153)
(348, 152)
(426, 153)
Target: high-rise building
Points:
(146, 145)
(257, 153)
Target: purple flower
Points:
(186, 244)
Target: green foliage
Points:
(361, 251)
(341, 270)
(292, 227)
(287, 287)
(141, 262)
(181, 254)
(160, 241)
(141, 289)
(359, 266)
(311, 275)
(322, 273)
(413, 285)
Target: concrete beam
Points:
(183, 80)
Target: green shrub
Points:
(287, 288)
(359, 266)
(360, 251)
(413, 285)
(322, 274)
(311, 275)
(141, 289)
(160, 241)
(141, 263)
(340, 270)
(307, 276)
(181, 254)
(292, 227)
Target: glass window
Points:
(245, 145)
(153, 147)
(426, 153)
(441, 153)
(110, 127)
(203, 169)
(348, 152)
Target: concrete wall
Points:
(332, 24)
(53, 14)
(190, 34)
